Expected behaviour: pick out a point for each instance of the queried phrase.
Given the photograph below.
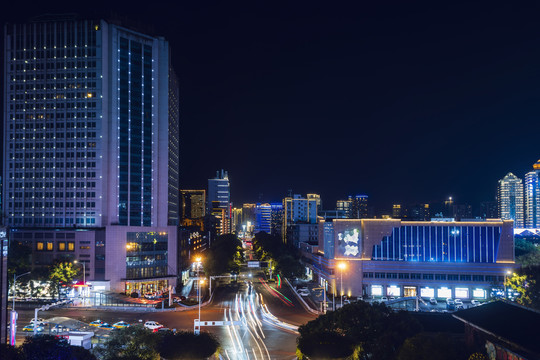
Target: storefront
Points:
(409, 291)
(149, 286)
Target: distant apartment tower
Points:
(359, 206)
(317, 199)
(510, 199)
(397, 211)
(263, 218)
(489, 210)
(532, 197)
(297, 209)
(91, 143)
(192, 203)
(344, 206)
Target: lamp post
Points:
(84, 277)
(341, 266)
(13, 328)
(508, 272)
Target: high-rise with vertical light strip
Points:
(91, 153)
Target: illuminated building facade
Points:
(91, 128)
(297, 209)
(359, 206)
(219, 197)
(532, 198)
(193, 204)
(344, 206)
(510, 199)
(441, 259)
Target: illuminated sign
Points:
(479, 293)
(427, 292)
(348, 242)
(444, 292)
(393, 291)
(462, 293)
(376, 290)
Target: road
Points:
(267, 316)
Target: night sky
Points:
(402, 102)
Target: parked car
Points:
(96, 323)
(106, 326)
(303, 292)
(458, 302)
(30, 327)
(391, 298)
(475, 302)
(152, 325)
(164, 330)
(121, 325)
(384, 298)
(433, 301)
(449, 301)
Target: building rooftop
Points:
(515, 325)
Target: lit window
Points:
(40, 246)
(49, 246)
(71, 246)
(61, 246)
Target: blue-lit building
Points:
(441, 259)
(265, 215)
(91, 151)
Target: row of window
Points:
(56, 221)
(60, 246)
(55, 86)
(423, 276)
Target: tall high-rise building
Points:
(219, 197)
(4, 315)
(345, 207)
(193, 204)
(532, 197)
(317, 199)
(510, 199)
(91, 142)
(359, 206)
(298, 210)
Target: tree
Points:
(286, 259)
(62, 274)
(225, 255)
(8, 352)
(18, 261)
(48, 347)
(375, 329)
(132, 343)
(527, 283)
(428, 346)
(187, 345)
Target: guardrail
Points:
(302, 301)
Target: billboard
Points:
(348, 243)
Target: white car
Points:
(40, 321)
(433, 301)
(475, 302)
(384, 298)
(449, 301)
(152, 325)
(303, 292)
(458, 302)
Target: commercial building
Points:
(91, 149)
(441, 259)
(359, 206)
(4, 314)
(219, 200)
(265, 214)
(532, 197)
(344, 206)
(510, 199)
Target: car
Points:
(96, 323)
(59, 328)
(459, 307)
(106, 326)
(303, 292)
(121, 325)
(449, 301)
(384, 298)
(458, 302)
(40, 321)
(153, 325)
(391, 298)
(30, 328)
(303, 288)
(475, 302)
(433, 301)
(164, 330)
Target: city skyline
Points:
(404, 103)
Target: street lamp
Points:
(13, 328)
(200, 281)
(341, 267)
(508, 272)
(84, 277)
